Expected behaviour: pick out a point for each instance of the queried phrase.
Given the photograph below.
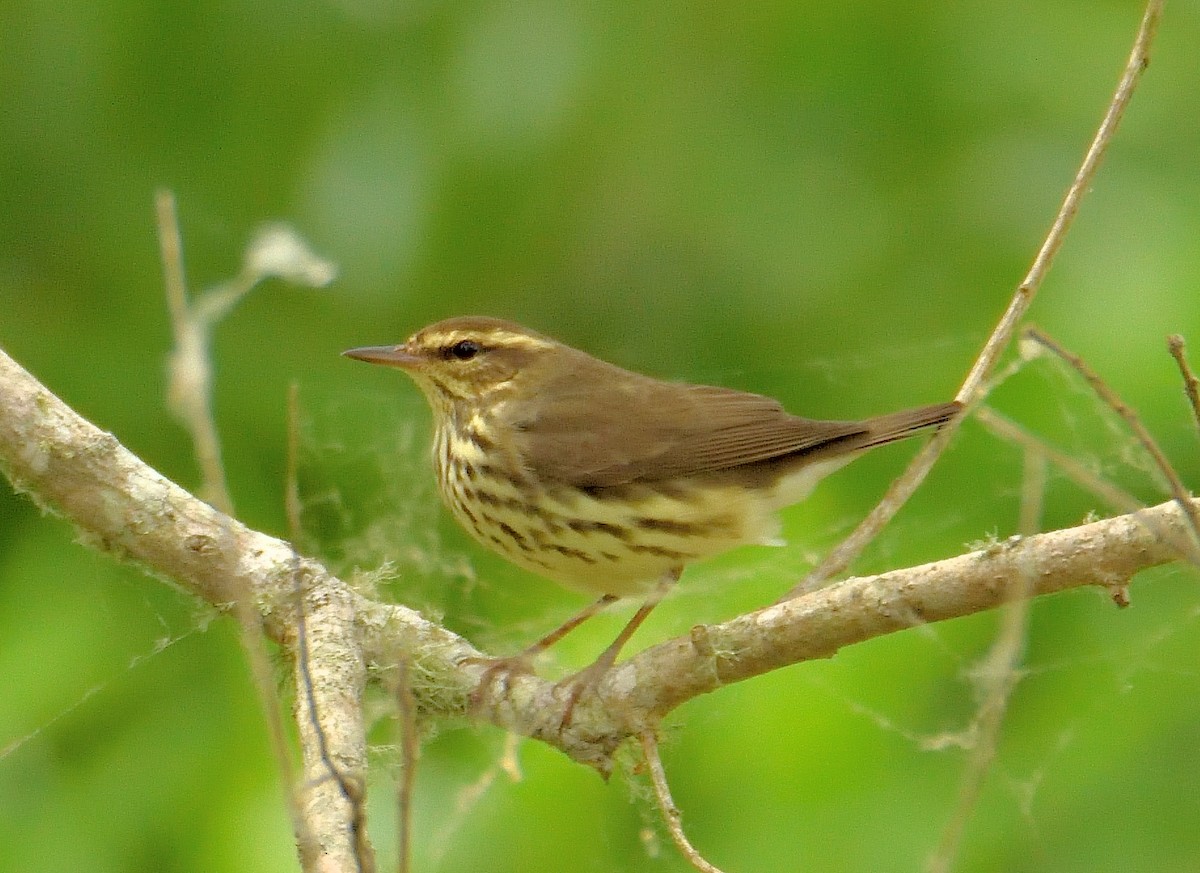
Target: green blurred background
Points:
(825, 201)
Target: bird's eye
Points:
(464, 350)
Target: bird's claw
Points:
(496, 668)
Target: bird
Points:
(607, 481)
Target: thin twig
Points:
(1109, 396)
(974, 386)
(1139, 59)
(670, 812)
(308, 845)
(1077, 472)
(291, 496)
(999, 676)
(171, 252)
(1191, 385)
(190, 397)
(1033, 492)
(469, 797)
(273, 252)
(189, 394)
(406, 709)
(1116, 497)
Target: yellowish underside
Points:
(623, 544)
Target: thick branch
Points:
(1106, 553)
(123, 506)
(637, 693)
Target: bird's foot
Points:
(497, 669)
(574, 687)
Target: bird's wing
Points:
(616, 427)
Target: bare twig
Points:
(275, 251)
(1086, 479)
(1139, 59)
(1106, 394)
(974, 386)
(670, 812)
(291, 495)
(506, 763)
(310, 850)
(406, 710)
(189, 394)
(998, 677)
(190, 397)
(1007, 429)
(1191, 385)
(171, 252)
(255, 644)
(272, 252)
(1033, 492)
(1106, 553)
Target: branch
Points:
(1106, 553)
(975, 387)
(122, 506)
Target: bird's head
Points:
(468, 360)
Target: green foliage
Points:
(824, 201)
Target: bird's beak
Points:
(391, 356)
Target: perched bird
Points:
(604, 480)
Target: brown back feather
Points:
(599, 425)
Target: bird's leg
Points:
(522, 662)
(590, 675)
(567, 626)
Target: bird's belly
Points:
(618, 540)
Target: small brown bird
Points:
(604, 480)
